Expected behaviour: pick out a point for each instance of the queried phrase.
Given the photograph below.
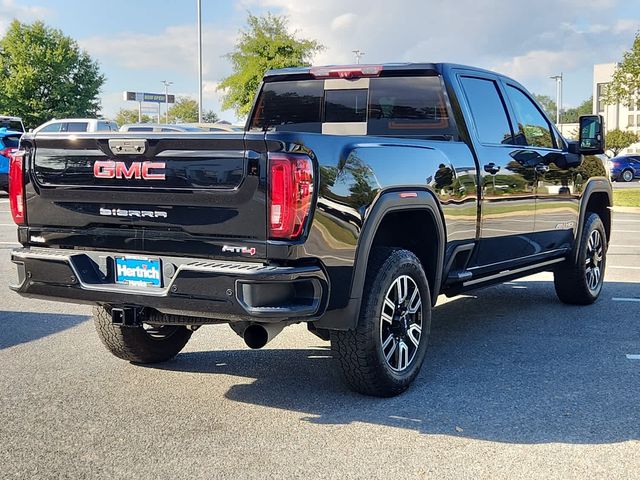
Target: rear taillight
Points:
(6, 152)
(290, 194)
(16, 187)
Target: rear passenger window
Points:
(531, 123)
(408, 106)
(77, 127)
(487, 110)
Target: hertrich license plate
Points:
(144, 272)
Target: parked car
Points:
(356, 196)
(624, 168)
(12, 123)
(217, 127)
(9, 140)
(159, 127)
(77, 125)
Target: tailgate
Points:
(185, 193)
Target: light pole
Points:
(558, 79)
(358, 54)
(199, 8)
(166, 99)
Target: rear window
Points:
(11, 125)
(11, 141)
(390, 106)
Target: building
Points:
(624, 117)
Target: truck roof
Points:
(384, 67)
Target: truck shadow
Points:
(24, 327)
(510, 364)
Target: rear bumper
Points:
(210, 290)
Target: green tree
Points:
(617, 140)
(573, 114)
(125, 115)
(625, 84)
(266, 44)
(44, 74)
(547, 104)
(209, 116)
(185, 110)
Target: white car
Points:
(77, 125)
(11, 123)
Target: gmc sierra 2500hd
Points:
(355, 196)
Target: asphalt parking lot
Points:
(515, 385)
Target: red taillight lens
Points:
(290, 194)
(16, 187)
(6, 152)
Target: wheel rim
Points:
(627, 176)
(401, 323)
(594, 261)
(159, 332)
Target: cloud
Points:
(10, 9)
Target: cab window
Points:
(532, 124)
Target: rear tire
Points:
(153, 344)
(384, 353)
(627, 176)
(579, 282)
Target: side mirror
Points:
(591, 137)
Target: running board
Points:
(509, 273)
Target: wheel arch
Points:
(597, 198)
(390, 209)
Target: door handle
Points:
(542, 168)
(491, 168)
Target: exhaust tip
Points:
(256, 336)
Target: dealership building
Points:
(624, 117)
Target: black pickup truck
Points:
(354, 198)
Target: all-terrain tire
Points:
(366, 363)
(574, 279)
(137, 344)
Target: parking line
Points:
(7, 224)
(10, 243)
(623, 299)
(632, 356)
(623, 268)
(626, 231)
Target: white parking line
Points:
(633, 356)
(10, 243)
(623, 299)
(625, 231)
(623, 268)
(7, 224)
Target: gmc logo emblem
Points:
(137, 170)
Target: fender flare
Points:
(596, 185)
(388, 202)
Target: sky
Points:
(139, 43)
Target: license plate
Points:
(142, 272)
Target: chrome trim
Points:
(506, 273)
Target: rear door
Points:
(507, 176)
(182, 194)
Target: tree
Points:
(617, 140)
(130, 116)
(573, 114)
(266, 44)
(44, 74)
(625, 84)
(547, 104)
(185, 110)
(210, 116)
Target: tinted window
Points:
(54, 127)
(11, 125)
(487, 109)
(408, 106)
(11, 141)
(291, 106)
(531, 123)
(104, 127)
(140, 129)
(77, 127)
(345, 106)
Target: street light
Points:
(166, 99)
(199, 8)
(558, 79)
(358, 54)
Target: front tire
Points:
(579, 282)
(143, 344)
(384, 353)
